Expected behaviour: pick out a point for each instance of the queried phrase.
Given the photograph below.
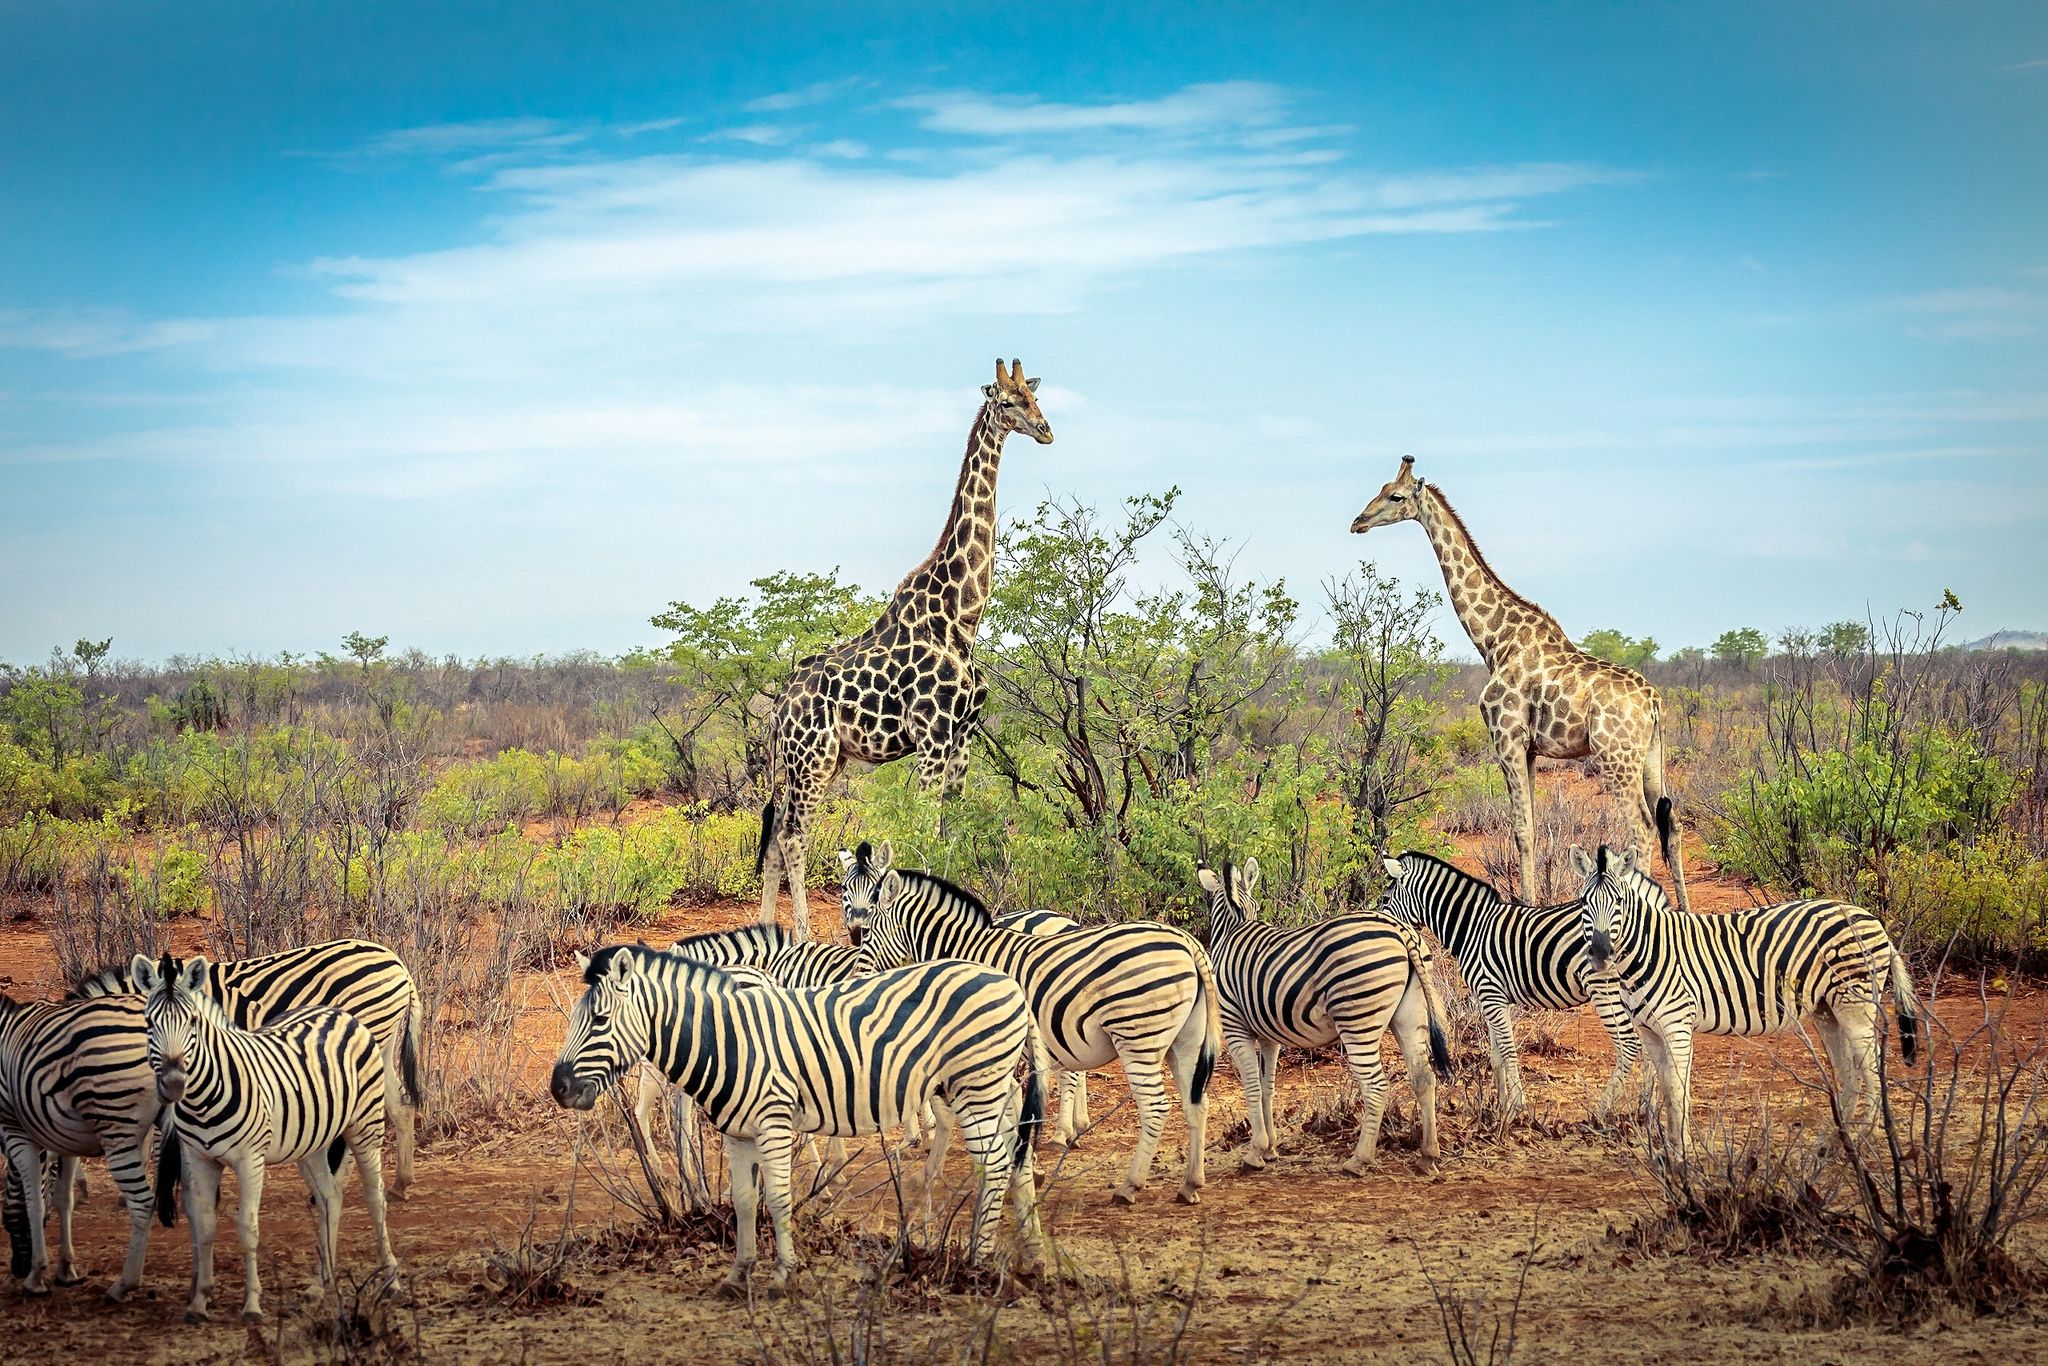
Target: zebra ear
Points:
(1582, 862)
(624, 965)
(1249, 874)
(582, 960)
(1395, 868)
(1210, 882)
(885, 857)
(1631, 859)
(193, 975)
(846, 862)
(142, 972)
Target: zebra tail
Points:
(767, 833)
(1907, 1004)
(170, 1155)
(1439, 1041)
(16, 1219)
(1212, 1027)
(409, 1054)
(1031, 1115)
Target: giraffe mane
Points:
(1472, 544)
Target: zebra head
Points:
(1403, 898)
(1614, 890)
(1231, 903)
(608, 1029)
(177, 1001)
(869, 890)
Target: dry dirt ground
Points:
(1296, 1262)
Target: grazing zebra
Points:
(1511, 955)
(1140, 994)
(304, 1088)
(363, 978)
(1338, 981)
(1758, 971)
(74, 1082)
(767, 1064)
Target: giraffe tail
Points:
(767, 833)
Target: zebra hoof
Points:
(252, 1317)
(1253, 1159)
(69, 1276)
(118, 1293)
(1124, 1195)
(1352, 1166)
(732, 1290)
(198, 1316)
(35, 1289)
(1188, 1195)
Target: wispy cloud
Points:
(758, 134)
(819, 93)
(1222, 104)
(2037, 64)
(1983, 313)
(480, 135)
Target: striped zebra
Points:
(356, 975)
(767, 1064)
(1761, 971)
(306, 1088)
(1341, 981)
(1511, 955)
(1140, 994)
(75, 1082)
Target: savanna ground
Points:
(526, 1240)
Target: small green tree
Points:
(1744, 647)
(1617, 648)
(1843, 638)
(731, 660)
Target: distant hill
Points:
(2011, 640)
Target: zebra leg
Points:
(1676, 1077)
(988, 1137)
(67, 1200)
(1621, 1032)
(1244, 1056)
(25, 1182)
(1184, 1059)
(1148, 1087)
(401, 1116)
(1411, 1029)
(1269, 1075)
(366, 1146)
(1849, 1029)
(682, 1113)
(249, 1174)
(326, 1214)
(127, 1165)
(777, 1148)
(201, 1181)
(1075, 1084)
(943, 1122)
(743, 1159)
(1363, 1055)
(1505, 1056)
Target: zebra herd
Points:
(938, 1014)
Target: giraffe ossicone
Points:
(908, 684)
(1544, 697)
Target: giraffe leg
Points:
(1518, 767)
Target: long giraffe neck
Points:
(1497, 618)
(946, 593)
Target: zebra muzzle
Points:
(570, 1091)
(1599, 949)
(170, 1087)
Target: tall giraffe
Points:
(909, 683)
(1544, 695)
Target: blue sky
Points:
(495, 336)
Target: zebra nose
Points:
(170, 1087)
(566, 1089)
(1600, 949)
(855, 935)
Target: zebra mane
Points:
(778, 938)
(976, 908)
(1453, 869)
(112, 980)
(670, 963)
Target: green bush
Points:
(1988, 902)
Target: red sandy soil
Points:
(1296, 1262)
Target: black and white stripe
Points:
(1341, 981)
(1138, 994)
(1511, 955)
(356, 975)
(767, 1064)
(75, 1082)
(1760, 971)
(305, 1088)
(1072, 1120)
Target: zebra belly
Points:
(61, 1132)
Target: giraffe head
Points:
(1016, 408)
(1399, 501)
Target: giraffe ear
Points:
(988, 391)
(1032, 385)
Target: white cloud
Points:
(818, 93)
(479, 135)
(1982, 313)
(759, 134)
(1222, 104)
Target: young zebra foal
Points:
(767, 1064)
(1341, 981)
(1746, 972)
(74, 1082)
(1138, 994)
(1511, 955)
(305, 1088)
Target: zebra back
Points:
(1509, 952)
